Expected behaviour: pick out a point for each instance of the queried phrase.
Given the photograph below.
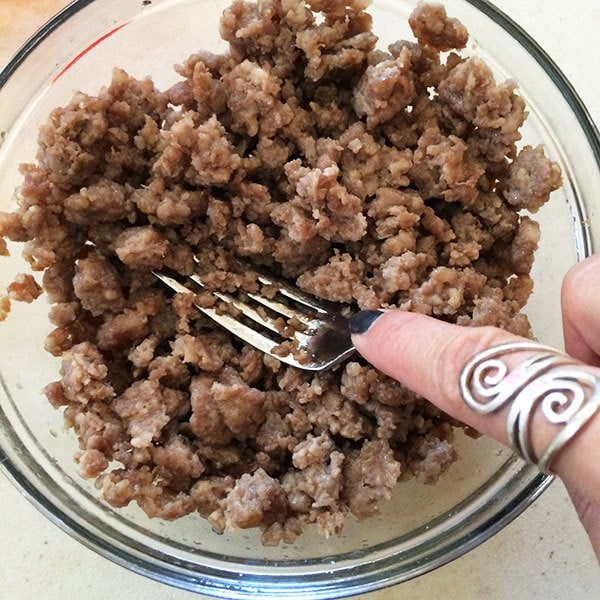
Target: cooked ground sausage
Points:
(369, 177)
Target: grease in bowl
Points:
(371, 177)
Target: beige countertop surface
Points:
(543, 554)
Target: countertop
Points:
(543, 554)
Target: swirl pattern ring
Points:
(548, 382)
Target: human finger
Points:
(589, 515)
(581, 310)
(428, 356)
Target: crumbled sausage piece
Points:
(255, 500)
(91, 463)
(241, 407)
(443, 167)
(101, 202)
(143, 409)
(429, 456)
(24, 288)
(336, 280)
(142, 248)
(369, 475)
(192, 350)
(470, 90)
(531, 178)
(121, 331)
(253, 99)
(179, 459)
(12, 227)
(207, 421)
(446, 291)
(385, 89)
(84, 375)
(432, 27)
(4, 307)
(208, 493)
(97, 284)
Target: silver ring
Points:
(549, 382)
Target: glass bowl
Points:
(422, 527)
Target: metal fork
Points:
(322, 343)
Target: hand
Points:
(428, 355)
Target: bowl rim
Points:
(276, 585)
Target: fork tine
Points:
(277, 307)
(293, 294)
(282, 309)
(286, 290)
(247, 310)
(257, 339)
(244, 332)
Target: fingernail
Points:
(361, 321)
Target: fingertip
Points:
(361, 321)
(581, 318)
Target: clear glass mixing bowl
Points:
(422, 527)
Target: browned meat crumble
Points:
(371, 177)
